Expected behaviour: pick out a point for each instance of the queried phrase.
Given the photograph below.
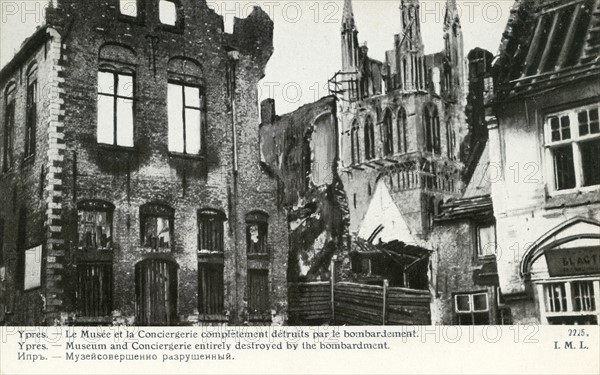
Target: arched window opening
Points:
(402, 127)
(354, 143)
(388, 134)
(369, 139)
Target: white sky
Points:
(307, 36)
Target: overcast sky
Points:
(307, 36)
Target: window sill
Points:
(177, 29)
(194, 157)
(116, 148)
(134, 20)
(572, 198)
(221, 318)
(262, 256)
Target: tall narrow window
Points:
(95, 225)
(168, 12)
(210, 231)
(432, 130)
(156, 226)
(354, 142)
(450, 140)
(31, 115)
(185, 118)
(115, 108)
(388, 134)
(257, 228)
(486, 240)
(369, 139)
(573, 144)
(9, 128)
(402, 136)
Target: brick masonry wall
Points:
(78, 168)
(25, 187)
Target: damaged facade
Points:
(545, 142)
(131, 185)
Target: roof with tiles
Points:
(548, 43)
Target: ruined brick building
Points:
(401, 127)
(131, 184)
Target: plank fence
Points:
(357, 304)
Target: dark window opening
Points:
(354, 143)
(402, 136)
(31, 114)
(369, 139)
(210, 231)
(388, 134)
(95, 225)
(432, 131)
(257, 233)
(564, 169)
(1, 243)
(590, 162)
(157, 227)
(94, 289)
(9, 129)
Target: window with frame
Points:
(369, 139)
(9, 127)
(186, 104)
(402, 127)
(571, 302)
(115, 106)
(573, 142)
(95, 220)
(450, 141)
(354, 143)
(156, 226)
(486, 240)
(257, 228)
(168, 12)
(432, 130)
(94, 293)
(388, 134)
(31, 114)
(33, 268)
(472, 309)
(210, 231)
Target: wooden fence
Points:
(357, 304)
